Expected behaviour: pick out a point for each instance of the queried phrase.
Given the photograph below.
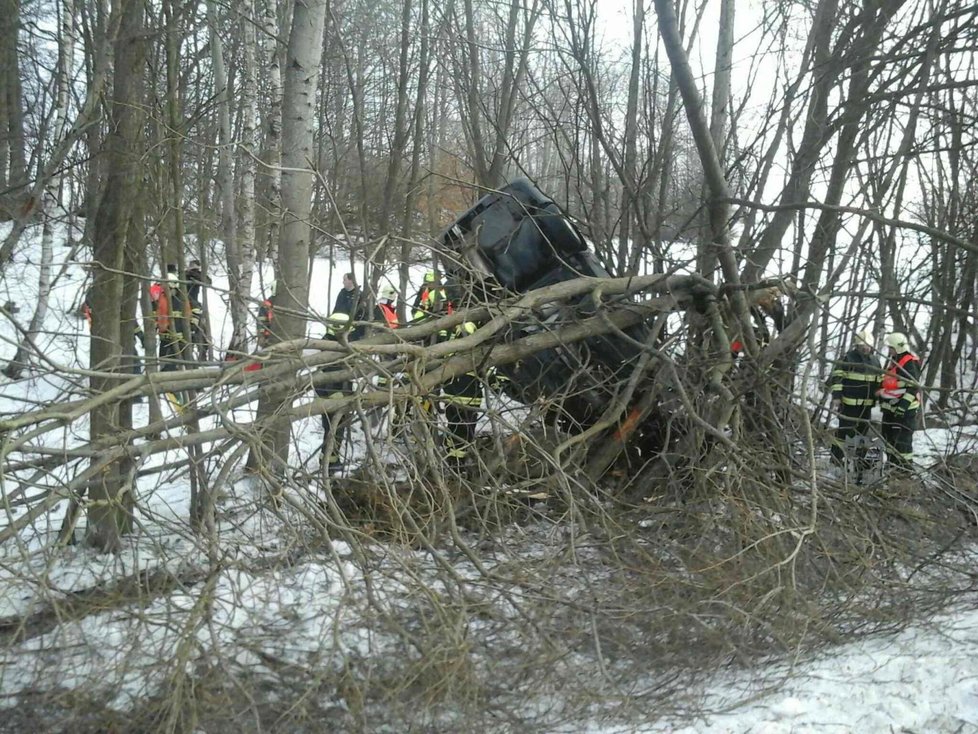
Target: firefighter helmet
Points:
(866, 338)
(388, 293)
(897, 341)
(336, 322)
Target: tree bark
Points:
(291, 298)
(109, 516)
(630, 203)
(271, 172)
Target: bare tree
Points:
(292, 268)
(109, 516)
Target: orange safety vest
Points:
(265, 316)
(390, 315)
(161, 305)
(890, 387)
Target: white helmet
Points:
(866, 338)
(896, 340)
(388, 293)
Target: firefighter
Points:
(463, 403)
(899, 396)
(431, 299)
(168, 310)
(196, 282)
(265, 315)
(334, 426)
(854, 382)
(385, 312)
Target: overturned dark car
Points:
(517, 240)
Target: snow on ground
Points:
(312, 611)
(923, 680)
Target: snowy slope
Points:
(273, 596)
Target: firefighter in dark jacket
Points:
(170, 312)
(463, 403)
(899, 396)
(350, 302)
(334, 426)
(431, 299)
(196, 282)
(854, 382)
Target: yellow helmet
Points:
(336, 322)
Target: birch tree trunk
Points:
(241, 273)
(271, 172)
(225, 179)
(292, 268)
(66, 53)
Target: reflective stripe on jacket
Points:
(429, 302)
(897, 390)
(464, 389)
(855, 379)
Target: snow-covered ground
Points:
(924, 679)
(270, 594)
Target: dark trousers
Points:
(898, 437)
(854, 420)
(462, 421)
(172, 352)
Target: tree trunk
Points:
(629, 190)
(109, 516)
(399, 137)
(414, 181)
(13, 132)
(225, 178)
(292, 284)
(271, 172)
(243, 274)
(718, 121)
(28, 344)
(66, 44)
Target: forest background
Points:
(825, 149)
